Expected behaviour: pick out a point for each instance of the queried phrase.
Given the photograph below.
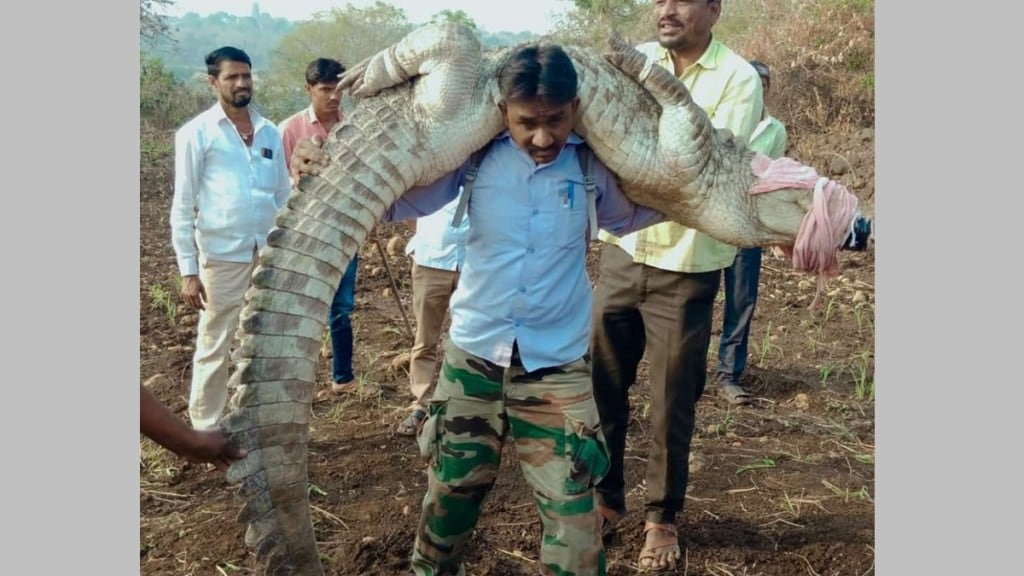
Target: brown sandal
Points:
(665, 550)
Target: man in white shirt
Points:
(230, 180)
(437, 250)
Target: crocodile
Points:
(423, 106)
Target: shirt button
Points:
(522, 290)
(530, 250)
(535, 212)
(517, 323)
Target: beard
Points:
(241, 100)
(674, 43)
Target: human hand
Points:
(211, 446)
(193, 292)
(309, 157)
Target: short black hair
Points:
(229, 53)
(761, 68)
(323, 71)
(537, 71)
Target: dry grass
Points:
(821, 53)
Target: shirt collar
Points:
(709, 60)
(217, 115)
(311, 115)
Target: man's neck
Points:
(326, 119)
(234, 113)
(683, 59)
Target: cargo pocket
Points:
(586, 452)
(430, 434)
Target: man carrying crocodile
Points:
(516, 357)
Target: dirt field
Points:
(781, 488)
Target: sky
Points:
(529, 15)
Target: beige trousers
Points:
(432, 289)
(225, 283)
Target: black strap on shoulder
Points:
(586, 159)
(467, 183)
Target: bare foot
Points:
(661, 547)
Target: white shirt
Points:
(437, 244)
(226, 195)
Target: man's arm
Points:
(159, 424)
(425, 200)
(188, 167)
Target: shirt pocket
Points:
(570, 222)
(265, 172)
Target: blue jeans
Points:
(740, 299)
(341, 325)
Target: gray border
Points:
(948, 436)
(71, 289)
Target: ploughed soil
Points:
(782, 487)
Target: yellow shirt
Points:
(729, 90)
(769, 138)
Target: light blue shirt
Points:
(524, 279)
(438, 244)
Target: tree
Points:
(590, 21)
(153, 25)
(456, 16)
(348, 35)
(164, 100)
(610, 10)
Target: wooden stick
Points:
(515, 555)
(394, 288)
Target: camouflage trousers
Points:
(559, 444)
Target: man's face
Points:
(233, 85)
(325, 101)
(685, 24)
(538, 127)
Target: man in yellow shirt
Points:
(657, 288)
(742, 277)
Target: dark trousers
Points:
(340, 322)
(740, 299)
(668, 314)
